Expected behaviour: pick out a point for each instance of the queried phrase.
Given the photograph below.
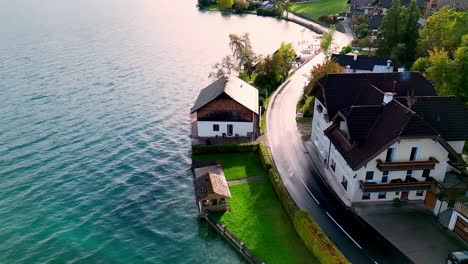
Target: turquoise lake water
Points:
(94, 125)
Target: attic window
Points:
(319, 108)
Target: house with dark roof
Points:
(386, 4)
(360, 7)
(363, 63)
(387, 135)
(226, 108)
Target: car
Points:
(460, 257)
(340, 18)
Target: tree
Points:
(346, 49)
(327, 41)
(409, 33)
(242, 52)
(226, 4)
(443, 30)
(390, 30)
(286, 56)
(319, 71)
(223, 68)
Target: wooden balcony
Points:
(407, 165)
(396, 185)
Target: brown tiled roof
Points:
(210, 180)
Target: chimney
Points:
(402, 69)
(355, 55)
(348, 68)
(388, 97)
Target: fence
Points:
(231, 238)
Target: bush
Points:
(264, 157)
(315, 240)
(240, 6)
(250, 147)
(205, 3)
(328, 19)
(346, 49)
(274, 12)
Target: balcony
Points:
(410, 184)
(407, 165)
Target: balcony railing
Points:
(396, 185)
(407, 165)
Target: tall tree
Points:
(410, 33)
(327, 42)
(242, 52)
(319, 71)
(390, 30)
(223, 68)
(443, 30)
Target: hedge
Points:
(264, 157)
(312, 235)
(250, 147)
(315, 240)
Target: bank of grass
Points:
(306, 106)
(263, 119)
(236, 165)
(257, 218)
(318, 8)
(304, 120)
(215, 7)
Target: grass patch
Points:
(263, 121)
(236, 165)
(304, 120)
(257, 218)
(215, 7)
(319, 8)
(306, 105)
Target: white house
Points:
(226, 108)
(386, 135)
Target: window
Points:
(426, 173)
(214, 202)
(385, 176)
(235, 116)
(333, 165)
(419, 193)
(397, 193)
(319, 108)
(365, 196)
(369, 175)
(345, 183)
(382, 195)
(414, 153)
(215, 127)
(409, 173)
(390, 155)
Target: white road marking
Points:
(354, 241)
(307, 188)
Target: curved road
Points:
(359, 242)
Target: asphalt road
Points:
(359, 242)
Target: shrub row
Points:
(264, 157)
(250, 147)
(312, 235)
(274, 12)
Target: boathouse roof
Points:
(210, 180)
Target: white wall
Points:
(453, 219)
(457, 145)
(319, 124)
(205, 128)
(427, 148)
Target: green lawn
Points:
(257, 218)
(263, 121)
(236, 165)
(319, 8)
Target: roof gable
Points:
(235, 88)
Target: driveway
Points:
(413, 229)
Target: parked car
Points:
(460, 257)
(340, 18)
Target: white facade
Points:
(208, 128)
(457, 145)
(336, 164)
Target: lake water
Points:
(94, 146)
